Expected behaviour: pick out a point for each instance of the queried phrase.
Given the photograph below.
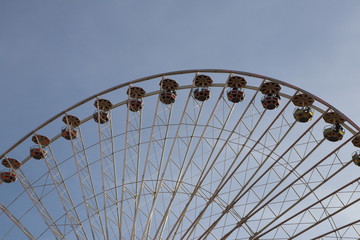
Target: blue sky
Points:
(55, 53)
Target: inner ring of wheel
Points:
(181, 72)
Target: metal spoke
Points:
(214, 161)
(241, 194)
(87, 186)
(17, 222)
(64, 195)
(255, 209)
(162, 224)
(39, 205)
(185, 155)
(157, 118)
(303, 197)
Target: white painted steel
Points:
(188, 170)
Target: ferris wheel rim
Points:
(171, 73)
(216, 85)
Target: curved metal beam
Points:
(17, 222)
(170, 74)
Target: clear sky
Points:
(55, 53)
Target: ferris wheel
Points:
(194, 154)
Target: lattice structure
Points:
(201, 167)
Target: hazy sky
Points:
(55, 53)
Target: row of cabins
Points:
(235, 94)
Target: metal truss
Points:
(191, 169)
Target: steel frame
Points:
(113, 218)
